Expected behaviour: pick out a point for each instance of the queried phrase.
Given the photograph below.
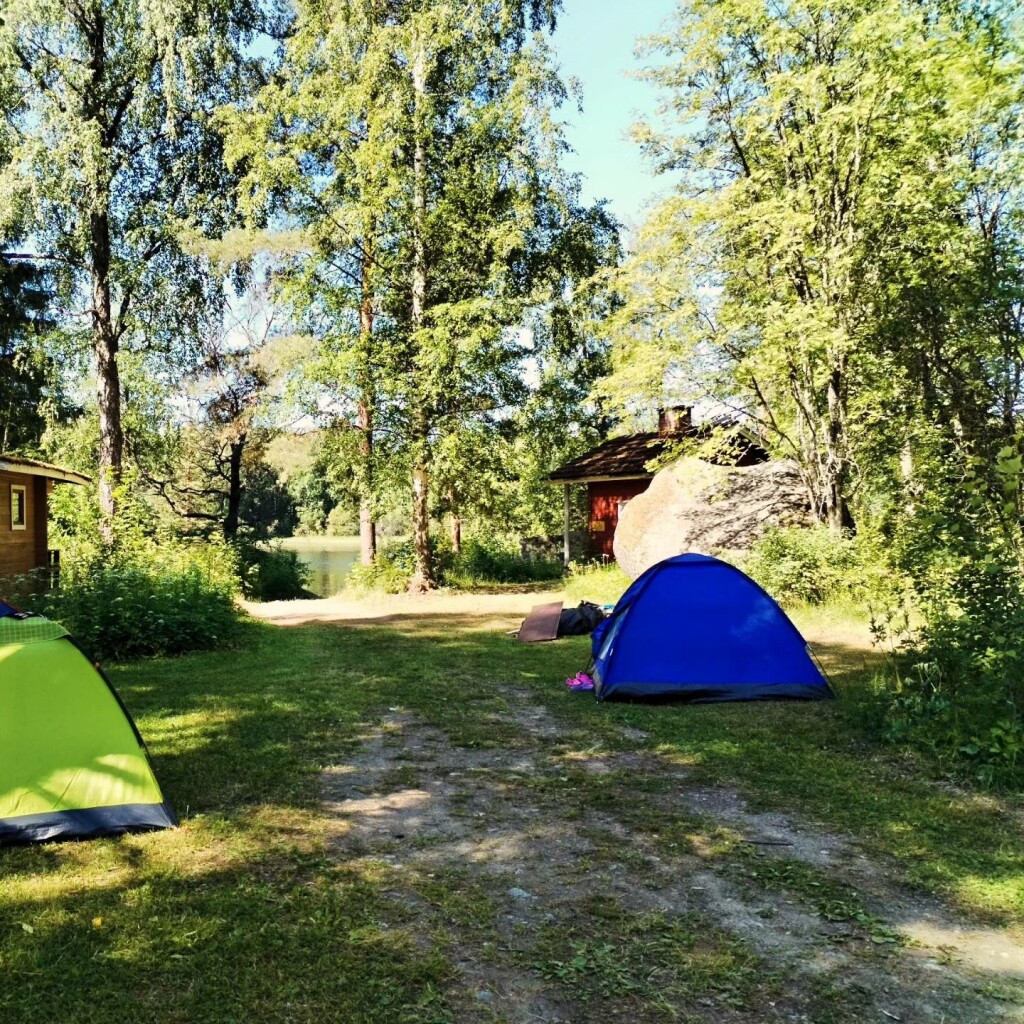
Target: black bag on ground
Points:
(579, 621)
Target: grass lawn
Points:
(260, 908)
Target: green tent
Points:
(72, 762)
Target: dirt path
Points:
(559, 908)
(505, 608)
(571, 885)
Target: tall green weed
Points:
(144, 600)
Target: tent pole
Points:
(565, 526)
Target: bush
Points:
(957, 692)
(161, 599)
(481, 561)
(390, 573)
(813, 566)
(484, 560)
(272, 574)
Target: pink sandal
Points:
(580, 681)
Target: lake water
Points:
(329, 560)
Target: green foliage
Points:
(390, 572)
(814, 566)
(485, 560)
(342, 521)
(24, 370)
(437, 220)
(839, 255)
(267, 508)
(115, 162)
(314, 502)
(482, 561)
(157, 599)
(272, 574)
(848, 221)
(957, 692)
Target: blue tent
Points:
(696, 628)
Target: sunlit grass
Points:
(319, 543)
(241, 915)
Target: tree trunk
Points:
(456, 531)
(422, 579)
(423, 572)
(837, 513)
(807, 447)
(104, 331)
(367, 526)
(234, 488)
(108, 380)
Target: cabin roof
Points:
(627, 457)
(619, 458)
(33, 467)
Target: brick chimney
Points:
(675, 421)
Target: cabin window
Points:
(19, 508)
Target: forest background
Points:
(277, 267)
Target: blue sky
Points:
(595, 42)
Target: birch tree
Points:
(421, 142)
(113, 150)
(804, 138)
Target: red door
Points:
(607, 499)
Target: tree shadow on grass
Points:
(240, 916)
(254, 935)
(822, 760)
(304, 697)
(240, 738)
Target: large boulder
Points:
(693, 505)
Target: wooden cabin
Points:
(616, 471)
(25, 486)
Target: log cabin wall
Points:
(22, 551)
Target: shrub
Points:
(813, 566)
(390, 573)
(481, 561)
(272, 574)
(956, 692)
(162, 599)
(485, 560)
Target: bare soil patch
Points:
(484, 611)
(578, 885)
